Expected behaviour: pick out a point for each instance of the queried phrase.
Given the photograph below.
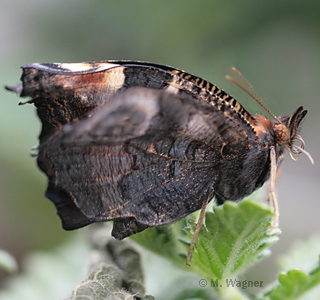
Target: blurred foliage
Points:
(7, 262)
(275, 44)
(49, 275)
(300, 272)
(295, 284)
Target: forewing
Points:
(64, 93)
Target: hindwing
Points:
(146, 157)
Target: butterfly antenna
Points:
(250, 91)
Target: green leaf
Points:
(166, 241)
(294, 284)
(234, 237)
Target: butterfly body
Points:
(144, 144)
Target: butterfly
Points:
(143, 144)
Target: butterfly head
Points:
(287, 133)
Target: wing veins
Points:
(150, 189)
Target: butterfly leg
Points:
(196, 232)
(274, 178)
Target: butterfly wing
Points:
(144, 159)
(64, 93)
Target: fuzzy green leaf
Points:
(105, 284)
(233, 237)
(294, 284)
(115, 271)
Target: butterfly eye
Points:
(282, 133)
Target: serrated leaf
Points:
(233, 237)
(294, 284)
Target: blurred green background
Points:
(275, 44)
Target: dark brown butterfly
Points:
(144, 144)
